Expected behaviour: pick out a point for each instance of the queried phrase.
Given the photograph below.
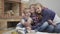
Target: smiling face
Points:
(27, 12)
(32, 8)
(38, 8)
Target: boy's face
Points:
(27, 13)
(38, 9)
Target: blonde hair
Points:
(39, 5)
(25, 10)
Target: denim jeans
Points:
(50, 28)
(54, 29)
(57, 28)
(21, 29)
(42, 27)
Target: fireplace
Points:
(12, 24)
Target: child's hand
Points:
(26, 24)
(54, 24)
(29, 29)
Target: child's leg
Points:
(21, 29)
(50, 28)
(57, 28)
(42, 27)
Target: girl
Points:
(36, 18)
(49, 16)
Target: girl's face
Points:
(38, 9)
(32, 8)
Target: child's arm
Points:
(53, 23)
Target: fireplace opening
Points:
(12, 24)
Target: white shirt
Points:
(56, 19)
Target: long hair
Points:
(40, 5)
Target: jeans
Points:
(21, 29)
(45, 26)
(42, 27)
(54, 29)
(50, 28)
(57, 28)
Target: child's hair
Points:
(32, 5)
(42, 7)
(26, 10)
(39, 5)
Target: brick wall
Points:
(3, 22)
(5, 18)
(1, 7)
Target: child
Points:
(49, 17)
(36, 18)
(24, 25)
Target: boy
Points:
(25, 24)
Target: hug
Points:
(40, 19)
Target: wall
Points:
(16, 9)
(3, 22)
(1, 7)
(51, 4)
